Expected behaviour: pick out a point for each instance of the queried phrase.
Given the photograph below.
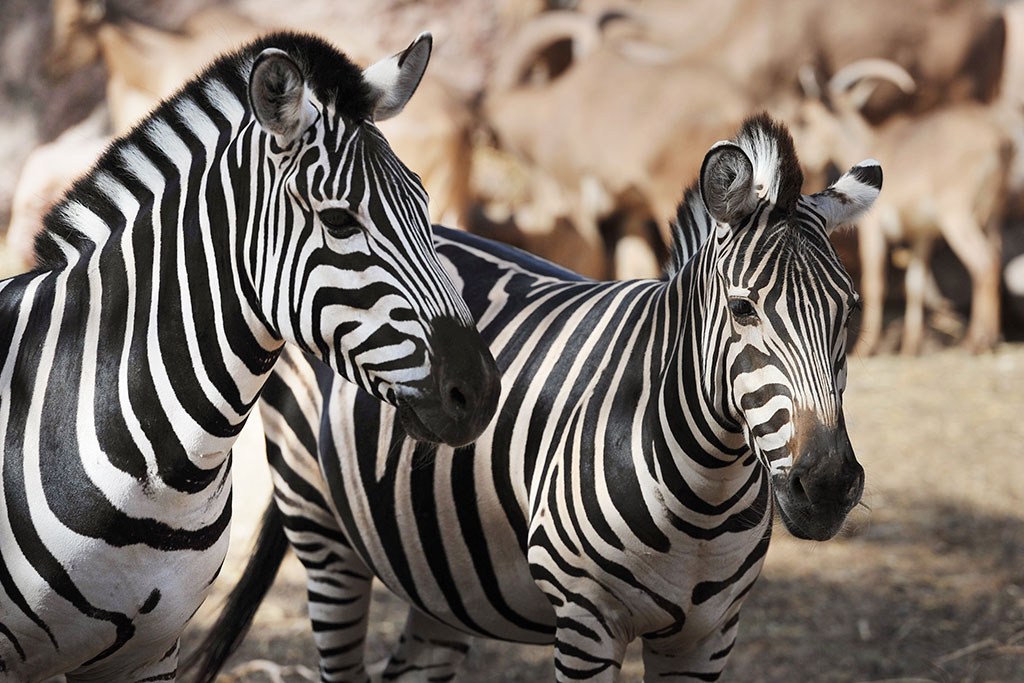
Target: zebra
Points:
(259, 205)
(645, 434)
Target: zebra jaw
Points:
(405, 399)
(414, 413)
(457, 419)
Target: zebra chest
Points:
(102, 582)
(691, 589)
(634, 566)
(118, 612)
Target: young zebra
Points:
(259, 205)
(626, 487)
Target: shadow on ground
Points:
(935, 593)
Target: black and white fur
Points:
(259, 205)
(626, 488)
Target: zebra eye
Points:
(742, 310)
(341, 223)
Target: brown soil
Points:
(925, 584)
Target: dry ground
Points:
(927, 585)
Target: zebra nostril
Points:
(797, 487)
(457, 399)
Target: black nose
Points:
(819, 479)
(467, 380)
(827, 472)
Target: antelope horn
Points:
(538, 34)
(884, 69)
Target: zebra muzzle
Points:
(462, 392)
(824, 483)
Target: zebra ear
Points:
(395, 78)
(277, 94)
(727, 183)
(850, 196)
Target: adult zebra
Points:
(625, 488)
(258, 205)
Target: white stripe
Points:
(86, 222)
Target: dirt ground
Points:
(925, 584)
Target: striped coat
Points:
(645, 433)
(257, 206)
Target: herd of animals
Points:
(516, 449)
(510, 154)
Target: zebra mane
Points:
(333, 78)
(691, 227)
(776, 168)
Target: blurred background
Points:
(570, 128)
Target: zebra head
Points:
(340, 252)
(780, 303)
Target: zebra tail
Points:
(242, 602)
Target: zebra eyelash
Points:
(743, 310)
(340, 222)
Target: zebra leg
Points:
(573, 663)
(585, 651)
(427, 650)
(338, 587)
(590, 640)
(338, 583)
(678, 659)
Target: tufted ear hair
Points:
(277, 94)
(394, 79)
(727, 183)
(850, 196)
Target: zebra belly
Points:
(120, 608)
(453, 554)
(452, 532)
(431, 528)
(521, 614)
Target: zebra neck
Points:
(166, 324)
(696, 446)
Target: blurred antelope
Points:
(946, 178)
(614, 130)
(145, 64)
